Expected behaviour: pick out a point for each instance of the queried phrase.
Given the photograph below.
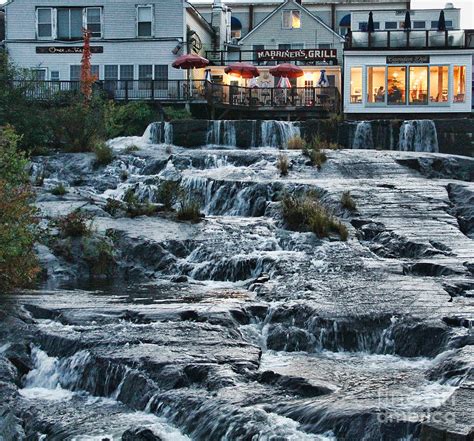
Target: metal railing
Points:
(325, 98)
(124, 90)
(401, 39)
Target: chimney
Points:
(220, 17)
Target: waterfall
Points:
(278, 133)
(418, 136)
(363, 136)
(159, 133)
(222, 133)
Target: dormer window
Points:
(291, 19)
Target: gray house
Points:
(131, 40)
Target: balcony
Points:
(414, 40)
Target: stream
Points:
(236, 328)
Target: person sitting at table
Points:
(380, 95)
(394, 95)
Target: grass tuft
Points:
(59, 190)
(348, 202)
(283, 164)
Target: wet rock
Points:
(262, 278)
(463, 199)
(431, 269)
(140, 434)
(10, 425)
(296, 385)
(179, 279)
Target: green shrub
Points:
(74, 224)
(168, 193)
(129, 119)
(305, 213)
(135, 208)
(348, 202)
(174, 113)
(296, 143)
(131, 149)
(283, 164)
(104, 155)
(98, 252)
(317, 157)
(189, 210)
(18, 233)
(76, 127)
(59, 190)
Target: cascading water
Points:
(278, 133)
(363, 136)
(418, 136)
(222, 133)
(159, 133)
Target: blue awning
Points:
(235, 24)
(345, 21)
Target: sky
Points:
(467, 9)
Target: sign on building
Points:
(308, 55)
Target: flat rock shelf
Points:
(236, 328)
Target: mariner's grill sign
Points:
(67, 50)
(308, 55)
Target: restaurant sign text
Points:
(321, 55)
(408, 59)
(67, 50)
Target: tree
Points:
(18, 263)
(87, 78)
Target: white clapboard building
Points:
(130, 40)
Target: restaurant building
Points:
(131, 40)
(399, 71)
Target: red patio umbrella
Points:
(287, 70)
(242, 70)
(190, 61)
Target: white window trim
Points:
(152, 20)
(291, 25)
(85, 22)
(53, 23)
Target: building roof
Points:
(297, 5)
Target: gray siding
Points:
(119, 17)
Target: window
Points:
(376, 85)
(161, 74)
(38, 74)
(459, 80)
(54, 75)
(44, 21)
(356, 85)
(324, 46)
(449, 24)
(396, 85)
(126, 74)
(284, 46)
(236, 33)
(439, 84)
(69, 23)
(419, 25)
(363, 26)
(291, 19)
(418, 93)
(390, 25)
(145, 21)
(145, 75)
(111, 73)
(75, 72)
(94, 22)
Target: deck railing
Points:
(327, 98)
(400, 39)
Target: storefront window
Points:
(397, 85)
(439, 84)
(418, 85)
(459, 84)
(376, 84)
(356, 85)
